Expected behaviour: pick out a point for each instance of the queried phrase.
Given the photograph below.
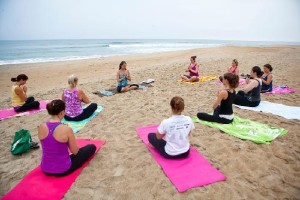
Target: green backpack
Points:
(21, 142)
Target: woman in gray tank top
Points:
(250, 94)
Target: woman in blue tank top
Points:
(267, 79)
(123, 76)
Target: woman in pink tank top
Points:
(56, 140)
(234, 67)
(193, 69)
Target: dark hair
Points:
(269, 67)
(236, 62)
(55, 107)
(193, 57)
(177, 104)
(20, 77)
(122, 63)
(232, 79)
(257, 70)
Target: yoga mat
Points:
(38, 186)
(77, 126)
(281, 90)
(201, 79)
(247, 130)
(8, 113)
(288, 112)
(186, 173)
(241, 82)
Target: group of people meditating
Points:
(171, 139)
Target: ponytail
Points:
(72, 81)
(257, 70)
(55, 107)
(20, 77)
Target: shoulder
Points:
(64, 129)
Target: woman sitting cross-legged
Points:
(222, 106)
(123, 76)
(19, 98)
(250, 94)
(73, 98)
(267, 79)
(56, 139)
(175, 131)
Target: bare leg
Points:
(184, 78)
(194, 79)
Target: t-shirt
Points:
(177, 129)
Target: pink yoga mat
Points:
(38, 186)
(279, 90)
(190, 172)
(241, 82)
(8, 113)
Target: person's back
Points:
(254, 94)
(73, 103)
(15, 98)
(55, 158)
(177, 129)
(226, 105)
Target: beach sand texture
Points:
(124, 168)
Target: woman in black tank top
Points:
(250, 94)
(222, 106)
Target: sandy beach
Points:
(124, 168)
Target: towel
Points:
(8, 113)
(247, 130)
(77, 126)
(186, 173)
(288, 112)
(38, 186)
(201, 79)
(241, 82)
(281, 90)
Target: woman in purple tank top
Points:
(193, 68)
(56, 139)
(73, 98)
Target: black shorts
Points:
(119, 88)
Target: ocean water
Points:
(34, 51)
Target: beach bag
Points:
(21, 142)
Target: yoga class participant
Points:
(172, 137)
(123, 76)
(73, 98)
(267, 79)
(56, 138)
(250, 94)
(193, 69)
(19, 98)
(234, 67)
(222, 106)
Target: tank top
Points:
(192, 73)
(267, 87)
(233, 70)
(73, 103)
(254, 94)
(55, 158)
(15, 99)
(226, 105)
(123, 82)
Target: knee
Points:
(92, 148)
(199, 115)
(151, 137)
(94, 105)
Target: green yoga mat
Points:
(247, 130)
(77, 126)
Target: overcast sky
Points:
(259, 20)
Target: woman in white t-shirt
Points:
(175, 131)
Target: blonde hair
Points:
(72, 81)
